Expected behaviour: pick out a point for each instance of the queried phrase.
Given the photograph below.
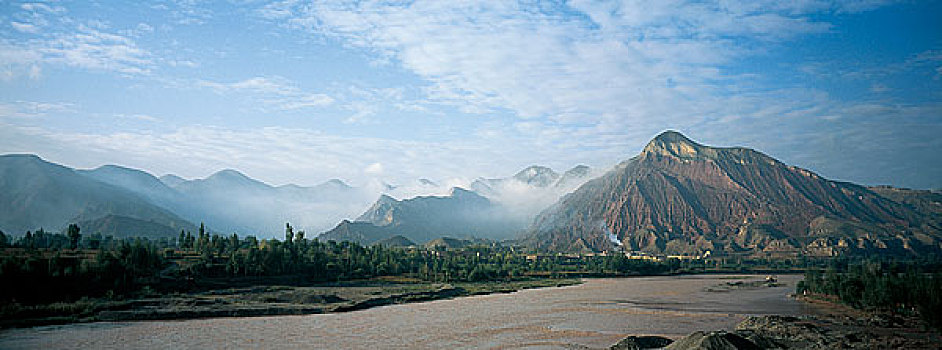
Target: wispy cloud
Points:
(290, 153)
(32, 109)
(604, 76)
(580, 67)
(53, 38)
(539, 60)
(272, 91)
(186, 12)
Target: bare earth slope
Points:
(679, 196)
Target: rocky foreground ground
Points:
(837, 327)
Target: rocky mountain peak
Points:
(729, 200)
(673, 144)
(536, 175)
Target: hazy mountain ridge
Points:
(421, 219)
(678, 196)
(230, 201)
(529, 191)
(35, 193)
(493, 208)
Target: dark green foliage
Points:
(54, 275)
(904, 288)
(46, 267)
(74, 235)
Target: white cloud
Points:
(374, 169)
(40, 7)
(90, 48)
(141, 117)
(272, 91)
(599, 78)
(25, 27)
(53, 38)
(32, 109)
(651, 63)
(310, 100)
(301, 156)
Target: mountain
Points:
(230, 201)
(35, 193)
(421, 219)
(573, 177)
(125, 227)
(534, 176)
(363, 233)
(118, 200)
(455, 243)
(395, 241)
(538, 176)
(136, 181)
(679, 196)
(171, 180)
(530, 190)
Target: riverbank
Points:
(833, 326)
(592, 315)
(260, 300)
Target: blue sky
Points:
(301, 92)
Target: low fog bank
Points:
(513, 202)
(231, 202)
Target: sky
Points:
(302, 92)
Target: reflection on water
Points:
(595, 314)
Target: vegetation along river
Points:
(594, 314)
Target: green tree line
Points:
(44, 267)
(891, 286)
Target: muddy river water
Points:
(594, 314)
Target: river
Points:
(594, 314)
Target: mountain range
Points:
(681, 197)
(493, 208)
(462, 213)
(120, 201)
(35, 194)
(676, 197)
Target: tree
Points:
(3, 240)
(28, 240)
(234, 242)
(74, 236)
(289, 233)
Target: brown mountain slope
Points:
(678, 196)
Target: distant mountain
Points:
(119, 200)
(454, 243)
(679, 196)
(230, 201)
(574, 176)
(533, 176)
(538, 176)
(136, 181)
(462, 213)
(125, 227)
(531, 190)
(171, 180)
(363, 233)
(395, 241)
(35, 193)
